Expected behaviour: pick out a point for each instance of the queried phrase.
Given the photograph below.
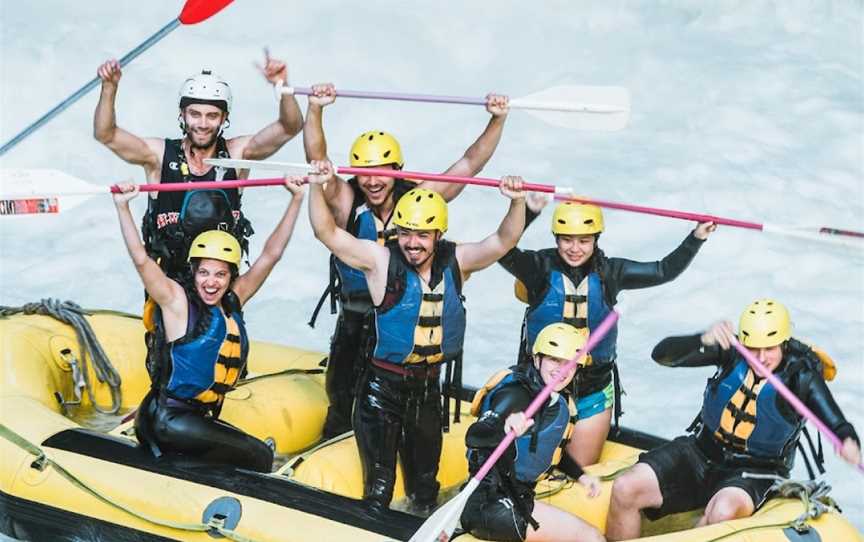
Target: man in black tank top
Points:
(204, 108)
(375, 197)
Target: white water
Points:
(745, 109)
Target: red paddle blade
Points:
(195, 11)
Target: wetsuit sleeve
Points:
(821, 402)
(530, 216)
(570, 467)
(623, 274)
(488, 430)
(688, 351)
(524, 265)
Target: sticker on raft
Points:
(29, 206)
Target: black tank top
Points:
(175, 170)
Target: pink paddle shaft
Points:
(789, 396)
(202, 185)
(550, 189)
(595, 337)
(402, 97)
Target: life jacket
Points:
(582, 305)
(350, 283)
(416, 323)
(745, 414)
(173, 219)
(540, 448)
(200, 369)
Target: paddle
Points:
(571, 106)
(440, 525)
(194, 11)
(815, 233)
(47, 191)
(793, 400)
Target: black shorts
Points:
(491, 515)
(688, 479)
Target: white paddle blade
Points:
(34, 192)
(604, 109)
(285, 167)
(440, 525)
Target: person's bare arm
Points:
(337, 192)
(367, 256)
(476, 256)
(271, 138)
(479, 153)
(127, 146)
(249, 282)
(168, 294)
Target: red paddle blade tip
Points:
(195, 11)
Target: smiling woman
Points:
(197, 345)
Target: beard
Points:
(209, 142)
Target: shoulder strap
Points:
(490, 384)
(396, 272)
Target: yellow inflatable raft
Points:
(69, 473)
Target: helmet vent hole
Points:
(387, 154)
(560, 221)
(553, 343)
(772, 334)
(381, 133)
(430, 219)
(355, 156)
(371, 137)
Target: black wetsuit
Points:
(501, 507)
(533, 268)
(692, 468)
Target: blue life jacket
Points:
(407, 312)
(194, 360)
(532, 465)
(363, 224)
(565, 302)
(743, 415)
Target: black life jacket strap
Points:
(618, 393)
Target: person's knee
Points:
(632, 490)
(728, 507)
(626, 491)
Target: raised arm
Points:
(475, 256)
(337, 193)
(271, 138)
(127, 146)
(367, 256)
(623, 274)
(249, 282)
(479, 152)
(167, 293)
(713, 347)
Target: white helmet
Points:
(205, 88)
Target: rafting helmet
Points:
(421, 209)
(205, 88)
(764, 323)
(216, 245)
(573, 218)
(562, 341)
(375, 148)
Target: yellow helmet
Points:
(560, 340)
(421, 209)
(572, 218)
(216, 245)
(764, 323)
(375, 148)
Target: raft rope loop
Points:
(88, 345)
(42, 462)
(812, 493)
